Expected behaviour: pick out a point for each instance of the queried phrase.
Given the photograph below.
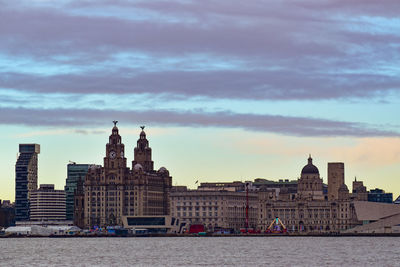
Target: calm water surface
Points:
(201, 251)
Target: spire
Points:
(115, 123)
(310, 159)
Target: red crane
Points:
(247, 206)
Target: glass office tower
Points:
(74, 173)
(26, 177)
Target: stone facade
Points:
(310, 210)
(114, 190)
(335, 179)
(310, 184)
(79, 204)
(214, 208)
(301, 205)
(359, 191)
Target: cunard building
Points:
(114, 190)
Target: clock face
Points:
(112, 154)
(122, 154)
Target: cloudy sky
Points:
(228, 90)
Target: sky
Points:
(228, 90)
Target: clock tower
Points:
(113, 191)
(115, 157)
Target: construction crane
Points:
(247, 207)
(276, 227)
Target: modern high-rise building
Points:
(47, 204)
(75, 172)
(26, 177)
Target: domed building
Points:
(310, 183)
(311, 210)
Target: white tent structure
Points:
(42, 230)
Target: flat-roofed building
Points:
(335, 179)
(214, 209)
(153, 224)
(47, 204)
(26, 177)
(379, 195)
(75, 173)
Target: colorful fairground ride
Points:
(276, 227)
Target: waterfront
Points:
(204, 251)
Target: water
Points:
(201, 251)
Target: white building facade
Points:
(47, 204)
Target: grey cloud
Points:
(217, 84)
(310, 48)
(297, 126)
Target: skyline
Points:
(291, 172)
(227, 90)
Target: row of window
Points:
(197, 208)
(196, 214)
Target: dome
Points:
(343, 188)
(138, 167)
(162, 169)
(310, 168)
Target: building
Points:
(379, 195)
(114, 190)
(7, 213)
(75, 172)
(310, 186)
(26, 177)
(376, 217)
(359, 191)
(284, 189)
(335, 179)
(153, 224)
(47, 204)
(213, 208)
(79, 205)
(309, 210)
(227, 186)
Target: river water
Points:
(201, 251)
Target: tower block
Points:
(335, 179)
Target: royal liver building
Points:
(114, 190)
